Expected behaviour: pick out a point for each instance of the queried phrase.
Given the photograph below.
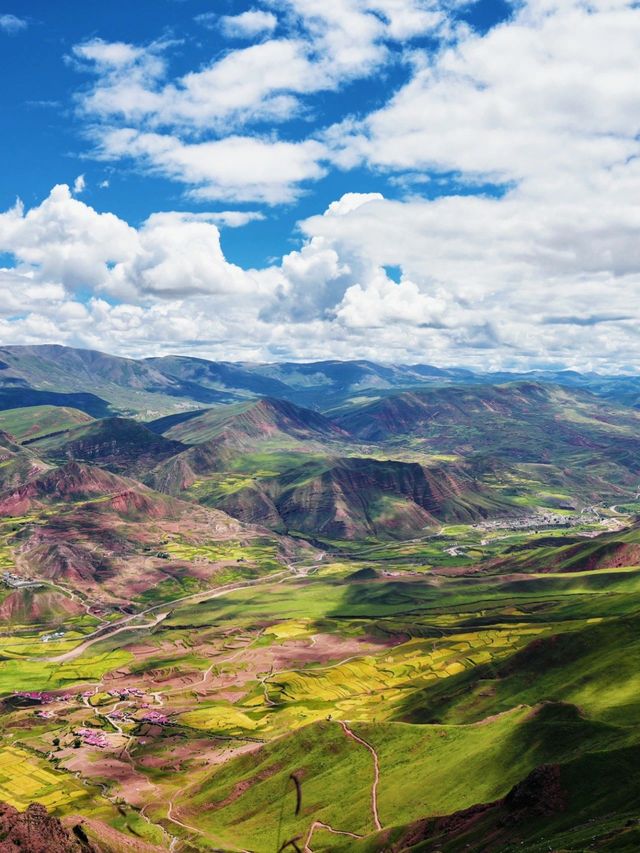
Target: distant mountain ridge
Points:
(98, 383)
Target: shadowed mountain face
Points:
(29, 423)
(101, 384)
(117, 444)
(221, 376)
(90, 404)
(127, 385)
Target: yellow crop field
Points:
(288, 629)
(23, 780)
(222, 718)
(416, 661)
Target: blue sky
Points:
(395, 179)
(43, 142)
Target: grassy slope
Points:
(576, 664)
(33, 422)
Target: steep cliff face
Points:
(36, 831)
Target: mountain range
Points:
(336, 606)
(97, 383)
(388, 460)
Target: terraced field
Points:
(24, 780)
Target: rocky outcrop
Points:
(36, 831)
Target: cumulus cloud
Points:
(543, 269)
(66, 242)
(240, 168)
(381, 302)
(551, 93)
(488, 282)
(79, 185)
(249, 24)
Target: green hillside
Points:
(33, 422)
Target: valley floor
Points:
(477, 690)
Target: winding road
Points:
(376, 771)
(129, 623)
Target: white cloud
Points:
(381, 303)
(487, 282)
(11, 24)
(249, 24)
(322, 47)
(552, 92)
(21, 290)
(79, 185)
(238, 168)
(66, 242)
(547, 271)
(257, 82)
(325, 45)
(179, 255)
(235, 218)
(118, 54)
(351, 201)
(209, 20)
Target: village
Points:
(13, 581)
(137, 712)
